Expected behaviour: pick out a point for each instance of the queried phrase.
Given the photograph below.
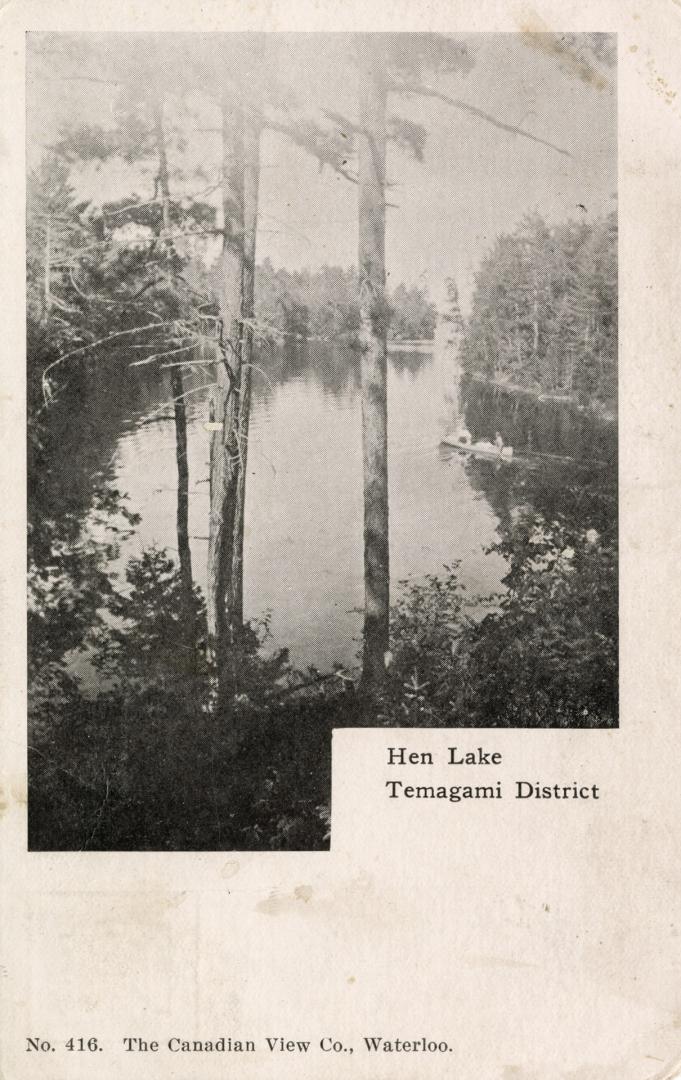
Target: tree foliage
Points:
(543, 654)
(322, 305)
(545, 310)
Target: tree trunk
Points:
(250, 221)
(224, 410)
(373, 344)
(48, 267)
(535, 320)
(177, 389)
(176, 384)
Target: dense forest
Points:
(194, 732)
(545, 310)
(323, 305)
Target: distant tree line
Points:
(323, 304)
(544, 312)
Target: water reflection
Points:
(303, 545)
(565, 461)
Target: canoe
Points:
(479, 449)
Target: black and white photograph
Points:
(322, 383)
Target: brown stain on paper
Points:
(276, 904)
(537, 35)
(13, 793)
(658, 83)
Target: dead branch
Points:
(93, 345)
(426, 91)
(313, 143)
(154, 414)
(161, 355)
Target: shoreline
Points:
(598, 409)
(424, 345)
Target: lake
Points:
(303, 542)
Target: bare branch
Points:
(156, 412)
(427, 91)
(90, 297)
(93, 345)
(62, 306)
(135, 241)
(161, 355)
(312, 141)
(79, 78)
(151, 202)
(343, 121)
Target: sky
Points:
(476, 181)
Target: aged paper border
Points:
(544, 944)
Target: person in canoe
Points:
(487, 447)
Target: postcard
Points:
(339, 646)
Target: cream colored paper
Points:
(539, 939)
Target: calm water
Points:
(303, 557)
